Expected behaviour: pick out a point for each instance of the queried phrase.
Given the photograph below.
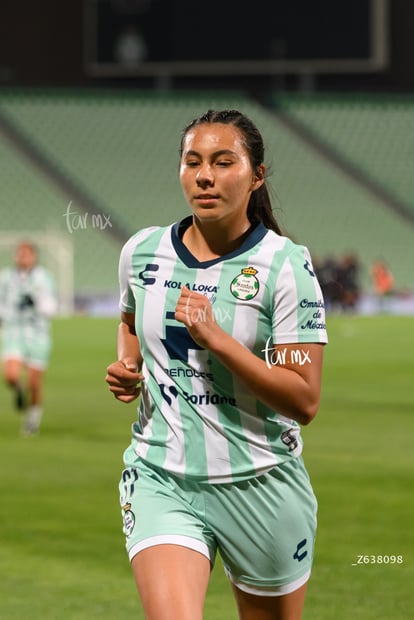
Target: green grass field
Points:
(62, 554)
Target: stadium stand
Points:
(114, 156)
(372, 132)
(369, 141)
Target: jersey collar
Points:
(177, 232)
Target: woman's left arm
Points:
(287, 379)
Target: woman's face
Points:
(25, 256)
(215, 173)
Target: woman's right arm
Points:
(124, 375)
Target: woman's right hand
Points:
(123, 378)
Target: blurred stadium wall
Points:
(88, 144)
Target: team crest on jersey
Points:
(128, 518)
(245, 286)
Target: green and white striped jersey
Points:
(19, 318)
(195, 419)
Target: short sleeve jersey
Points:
(195, 418)
(39, 284)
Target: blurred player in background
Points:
(223, 322)
(27, 303)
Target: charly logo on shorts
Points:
(128, 518)
(245, 286)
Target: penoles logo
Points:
(245, 286)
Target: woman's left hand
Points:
(196, 312)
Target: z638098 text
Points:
(378, 559)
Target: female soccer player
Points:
(222, 332)
(27, 303)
